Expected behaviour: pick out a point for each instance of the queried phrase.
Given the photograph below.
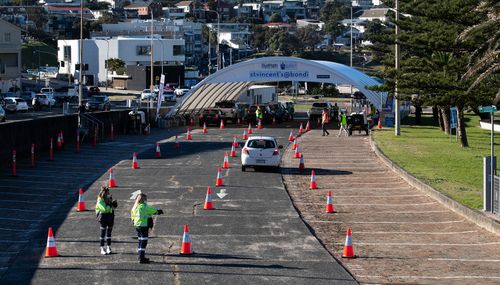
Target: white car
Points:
(14, 104)
(45, 100)
(260, 151)
(179, 92)
(146, 94)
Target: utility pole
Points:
(151, 85)
(397, 118)
(80, 76)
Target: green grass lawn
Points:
(426, 152)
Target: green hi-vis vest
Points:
(141, 213)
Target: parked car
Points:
(179, 92)
(2, 100)
(146, 94)
(3, 117)
(278, 112)
(260, 151)
(94, 90)
(357, 122)
(169, 95)
(45, 100)
(98, 102)
(316, 110)
(47, 91)
(230, 109)
(211, 116)
(15, 104)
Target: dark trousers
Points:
(106, 230)
(323, 126)
(142, 237)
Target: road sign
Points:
(487, 109)
(453, 117)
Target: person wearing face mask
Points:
(105, 213)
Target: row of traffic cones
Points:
(51, 248)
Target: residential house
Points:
(10, 56)
(375, 14)
(301, 23)
(174, 13)
(365, 4)
(271, 7)
(62, 17)
(144, 9)
(293, 9)
(187, 6)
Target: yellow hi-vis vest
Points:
(141, 213)
(102, 208)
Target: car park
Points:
(211, 116)
(147, 95)
(15, 104)
(260, 151)
(98, 102)
(3, 117)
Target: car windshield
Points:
(320, 105)
(224, 104)
(261, 144)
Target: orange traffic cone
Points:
(112, 180)
(221, 124)
(205, 128)
(290, 137)
(295, 145)
(219, 181)
(135, 164)
(379, 123)
(348, 249)
(301, 129)
(177, 145)
(308, 127)
(297, 152)
(226, 161)
(51, 250)
(158, 151)
(233, 152)
(80, 207)
(245, 136)
(314, 185)
(259, 125)
(186, 242)
(301, 163)
(329, 203)
(208, 200)
(250, 129)
(235, 143)
(188, 134)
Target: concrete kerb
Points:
(472, 215)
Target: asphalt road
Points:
(254, 236)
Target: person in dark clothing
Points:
(106, 216)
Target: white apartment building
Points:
(134, 51)
(10, 55)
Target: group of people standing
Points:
(325, 119)
(141, 216)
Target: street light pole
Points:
(397, 118)
(106, 62)
(80, 75)
(151, 85)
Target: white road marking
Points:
(417, 233)
(463, 259)
(422, 244)
(391, 205)
(409, 223)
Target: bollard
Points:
(14, 172)
(77, 141)
(51, 150)
(32, 155)
(112, 132)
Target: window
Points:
(67, 53)
(6, 37)
(143, 50)
(178, 50)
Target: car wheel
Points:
(243, 168)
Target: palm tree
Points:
(485, 60)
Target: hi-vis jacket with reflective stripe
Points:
(102, 208)
(141, 213)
